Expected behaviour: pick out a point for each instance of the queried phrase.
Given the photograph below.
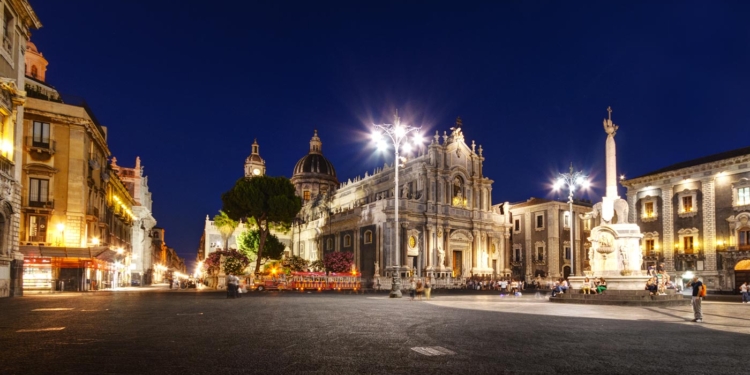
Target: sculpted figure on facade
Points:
(441, 256)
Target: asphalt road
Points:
(190, 332)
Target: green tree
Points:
(249, 242)
(226, 227)
(270, 201)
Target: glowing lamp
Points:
(95, 241)
(60, 227)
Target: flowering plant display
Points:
(338, 262)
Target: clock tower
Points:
(254, 164)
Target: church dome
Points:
(314, 163)
(314, 174)
(31, 47)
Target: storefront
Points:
(37, 275)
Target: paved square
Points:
(189, 332)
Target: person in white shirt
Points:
(745, 290)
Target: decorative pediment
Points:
(688, 231)
(40, 169)
(462, 235)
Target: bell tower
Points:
(254, 164)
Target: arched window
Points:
(347, 240)
(459, 198)
(329, 244)
(368, 236)
(34, 72)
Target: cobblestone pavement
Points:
(157, 331)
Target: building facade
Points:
(695, 216)
(76, 214)
(447, 222)
(17, 18)
(540, 239)
(142, 261)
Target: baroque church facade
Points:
(447, 222)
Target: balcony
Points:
(47, 205)
(46, 146)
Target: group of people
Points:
(502, 285)
(596, 286)
(417, 288)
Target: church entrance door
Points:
(458, 261)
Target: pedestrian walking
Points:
(744, 290)
(412, 288)
(696, 300)
(232, 282)
(428, 288)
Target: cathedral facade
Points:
(448, 225)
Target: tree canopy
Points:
(270, 201)
(249, 241)
(226, 227)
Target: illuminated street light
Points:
(398, 133)
(571, 180)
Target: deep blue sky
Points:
(187, 85)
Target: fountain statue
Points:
(615, 252)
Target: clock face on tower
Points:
(256, 172)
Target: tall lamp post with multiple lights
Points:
(571, 180)
(398, 133)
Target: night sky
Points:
(187, 86)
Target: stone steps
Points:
(623, 298)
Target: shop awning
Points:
(65, 252)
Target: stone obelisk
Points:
(608, 201)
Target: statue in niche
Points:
(377, 269)
(405, 191)
(441, 256)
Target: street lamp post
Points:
(398, 134)
(571, 180)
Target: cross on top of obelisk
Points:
(609, 109)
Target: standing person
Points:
(420, 289)
(696, 300)
(231, 285)
(744, 291)
(428, 287)
(412, 288)
(170, 283)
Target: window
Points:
(539, 221)
(743, 196)
(587, 224)
(368, 236)
(687, 204)
(38, 192)
(517, 255)
(40, 137)
(687, 243)
(744, 239)
(7, 30)
(648, 209)
(517, 225)
(649, 246)
(306, 195)
(540, 253)
(329, 244)
(347, 240)
(37, 228)
(567, 253)
(566, 220)
(33, 71)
